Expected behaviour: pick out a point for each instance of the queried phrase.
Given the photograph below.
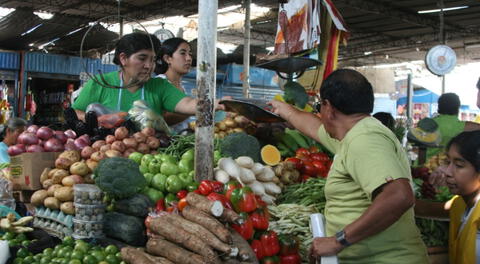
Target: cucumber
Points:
(289, 141)
(301, 142)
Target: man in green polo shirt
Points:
(369, 213)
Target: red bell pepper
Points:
(259, 219)
(243, 200)
(230, 187)
(221, 198)
(288, 245)
(245, 229)
(257, 247)
(205, 187)
(270, 243)
(260, 203)
(271, 260)
(217, 186)
(182, 194)
(160, 205)
(291, 259)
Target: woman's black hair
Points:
(386, 119)
(133, 42)
(12, 124)
(169, 47)
(468, 144)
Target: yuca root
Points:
(176, 254)
(231, 216)
(203, 233)
(245, 252)
(137, 256)
(203, 204)
(207, 221)
(177, 234)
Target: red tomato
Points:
(298, 162)
(305, 177)
(313, 149)
(302, 152)
(321, 168)
(319, 156)
(309, 168)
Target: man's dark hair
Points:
(386, 119)
(169, 47)
(134, 42)
(348, 91)
(448, 104)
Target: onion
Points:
(130, 143)
(112, 153)
(105, 147)
(86, 138)
(128, 151)
(16, 149)
(143, 148)
(140, 137)
(44, 133)
(60, 136)
(98, 144)
(121, 133)
(70, 134)
(153, 142)
(97, 156)
(110, 139)
(53, 145)
(148, 131)
(80, 143)
(87, 152)
(34, 148)
(27, 138)
(70, 145)
(32, 129)
(118, 146)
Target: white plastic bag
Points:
(4, 251)
(143, 117)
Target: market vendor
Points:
(369, 196)
(9, 134)
(463, 180)
(136, 58)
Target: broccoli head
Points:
(240, 144)
(119, 177)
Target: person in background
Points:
(369, 208)
(386, 119)
(9, 134)
(449, 125)
(477, 119)
(463, 180)
(137, 59)
(173, 62)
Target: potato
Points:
(91, 164)
(44, 175)
(72, 180)
(64, 194)
(51, 189)
(72, 155)
(51, 172)
(67, 208)
(97, 156)
(79, 168)
(88, 179)
(63, 163)
(59, 175)
(113, 153)
(52, 203)
(38, 197)
(47, 183)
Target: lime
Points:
(9, 236)
(21, 237)
(111, 249)
(99, 255)
(102, 262)
(68, 240)
(77, 254)
(28, 259)
(38, 257)
(111, 259)
(83, 247)
(22, 253)
(48, 252)
(45, 260)
(18, 260)
(25, 243)
(118, 255)
(89, 259)
(64, 252)
(74, 261)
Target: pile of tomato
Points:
(311, 162)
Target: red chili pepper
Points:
(205, 187)
(221, 198)
(217, 186)
(182, 194)
(259, 220)
(291, 259)
(270, 243)
(257, 247)
(160, 205)
(245, 229)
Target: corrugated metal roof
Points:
(9, 60)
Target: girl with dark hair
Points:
(136, 54)
(9, 134)
(463, 180)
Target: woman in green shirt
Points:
(136, 58)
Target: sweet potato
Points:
(201, 232)
(160, 225)
(202, 203)
(210, 223)
(137, 256)
(176, 254)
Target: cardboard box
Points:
(26, 168)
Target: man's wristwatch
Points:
(340, 236)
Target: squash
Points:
(270, 155)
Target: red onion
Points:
(60, 136)
(32, 129)
(70, 134)
(80, 143)
(34, 148)
(27, 138)
(41, 142)
(16, 150)
(44, 133)
(70, 145)
(86, 138)
(53, 145)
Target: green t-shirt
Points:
(159, 94)
(449, 126)
(368, 157)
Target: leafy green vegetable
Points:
(180, 144)
(434, 233)
(119, 177)
(240, 144)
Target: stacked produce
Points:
(311, 162)
(10, 224)
(233, 123)
(436, 161)
(309, 193)
(290, 140)
(287, 173)
(89, 211)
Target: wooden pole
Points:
(246, 51)
(206, 72)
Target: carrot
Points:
(210, 223)
(137, 256)
(176, 254)
(245, 252)
(202, 203)
(177, 234)
(201, 232)
(231, 216)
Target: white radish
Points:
(230, 167)
(245, 162)
(271, 188)
(268, 199)
(247, 175)
(257, 187)
(221, 176)
(267, 174)
(257, 168)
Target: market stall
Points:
(9, 72)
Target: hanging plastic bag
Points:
(107, 118)
(143, 117)
(6, 193)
